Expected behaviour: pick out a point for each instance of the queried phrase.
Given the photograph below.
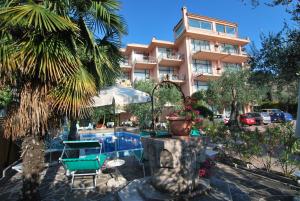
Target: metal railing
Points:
(125, 63)
(145, 59)
(174, 56)
(172, 77)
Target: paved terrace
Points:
(232, 184)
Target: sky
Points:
(156, 18)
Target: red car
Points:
(247, 119)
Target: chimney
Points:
(184, 16)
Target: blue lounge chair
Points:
(84, 165)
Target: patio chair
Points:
(84, 165)
(195, 133)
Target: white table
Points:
(115, 182)
(115, 163)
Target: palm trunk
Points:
(73, 130)
(33, 163)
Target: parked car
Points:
(270, 111)
(266, 117)
(218, 118)
(258, 118)
(278, 115)
(285, 116)
(247, 119)
(226, 119)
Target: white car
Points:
(266, 117)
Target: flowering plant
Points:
(188, 112)
(205, 168)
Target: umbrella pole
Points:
(116, 138)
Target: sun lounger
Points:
(86, 165)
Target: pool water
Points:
(120, 142)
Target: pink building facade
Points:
(202, 50)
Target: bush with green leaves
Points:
(217, 131)
(290, 146)
(5, 97)
(249, 145)
(162, 96)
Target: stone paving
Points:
(240, 186)
(55, 186)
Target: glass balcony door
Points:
(202, 66)
(142, 74)
(198, 45)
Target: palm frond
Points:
(8, 59)
(106, 61)
(73, 95)
(106, 18)
(60, 7)
(50, 58)
(36, 17)
(87, 36)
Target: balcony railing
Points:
(145, 59)
(199, 73)
(125, 63)
(172, 77)
(173, 56)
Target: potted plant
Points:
(181, 122)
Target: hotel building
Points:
(202, 50)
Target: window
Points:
(165, 52)
(125, 61)
(229, 48)
(179, 30)
(163, 71)
(201, 66)
(225, 29)
(232, 67)
(220, 28)
(198, 45)
(198, 85)
(230, 30)
(125, 76)
(142, 74)
(200, 24)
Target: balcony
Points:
(174, 59)
(225, 56)
(214, 35)
(145, 62)
(205, 77)
(125, 65)
(179, 79)
(124, 82)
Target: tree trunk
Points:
(103, 124)
(233, 121)
(7, 162)
(33, 163)
(73, 129)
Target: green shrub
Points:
(217, 131)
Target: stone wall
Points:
(174, 162)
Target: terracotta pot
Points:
(180, 126)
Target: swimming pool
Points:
(121, 142)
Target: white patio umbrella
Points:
(122, 95)
(119, 96)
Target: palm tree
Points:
(55, 55)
